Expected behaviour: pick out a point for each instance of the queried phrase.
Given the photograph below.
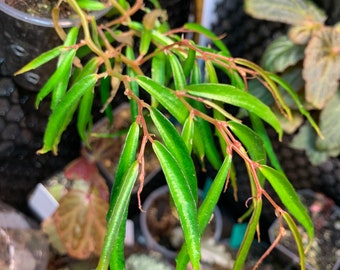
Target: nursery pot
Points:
(159, 224)
(324, 252)
(24, 37)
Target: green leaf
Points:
(281, 54)
(322, 67)
(305, 140)
(207, 208)
(206, 138)
(133, 85)
(295, 12)
(211, 72)
(209, 34)
(188, 133)
(91, 5)
(165, 96)
(41, 59)
(250, 140)
(57, 76)
(261, 131)
(64, 111)
(249, 234)
(289, 198)
(182, 196)
(234, 96)
(189, 62)
(118, 216)
(84, 120)
(297, 236)
(177, 72)
(158, 64)
(330, 126)
(177, 148)
(126, 160)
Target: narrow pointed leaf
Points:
(177, 72)
(234, 96)
(65, 110)
(127, 157)
(91, 5)
(261, 131)
(289, 198)
(182, 197)
(165, 96)
(158, 65)
(207, 208)
(206, 32)
(56, 77)
(252, 142)
(188, 133)
(189, 62)
(61, 87)
(177, 148)
(118, 217)
(133, 85)
(297, 236)
(84, 119)
(41, 59)
(249, 235)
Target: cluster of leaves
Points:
(308, 58)
(195, 100)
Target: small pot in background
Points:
(159, 218)
(325, 249)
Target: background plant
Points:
(188, 107)
(308, 59)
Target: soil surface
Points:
(41, 8)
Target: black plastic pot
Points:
(24, 37)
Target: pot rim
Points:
(41, 21)
(151, 242)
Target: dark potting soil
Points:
(41, 8)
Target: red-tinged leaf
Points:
(80, 168)
(322, 67)
(80, 222)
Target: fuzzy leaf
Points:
(289, 198)
(330, 126)
(322, 67)
(182, 196)
(295, 12)
(280, 54)
(234, 96)
(305, 140)
(80, 222)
